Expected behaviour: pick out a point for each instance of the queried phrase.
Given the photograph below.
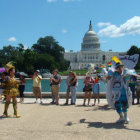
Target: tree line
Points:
(46, 54)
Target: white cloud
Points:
(64, 31)
(102, 24)
(12, 39)
(51, 1)
(131, 26)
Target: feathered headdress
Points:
(9, 66)
(117, 61)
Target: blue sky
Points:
(116, 22)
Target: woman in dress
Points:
(88, 81)
(11, 90)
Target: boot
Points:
(15, 108)
(5, 113)
(127, 120)
(121, 119)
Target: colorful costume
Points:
(119, 95)
(10, 89)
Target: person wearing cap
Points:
(121, 96)
(10, 89)
(55, 81)
(37, 85)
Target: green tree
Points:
(135, 50)
(45, 54)
(50, 47)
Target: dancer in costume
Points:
(11, 90)
(119, 95)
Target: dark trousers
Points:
(133, 90)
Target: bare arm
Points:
(39, 77)
(75, 80)
(55, 80)
(33, 76)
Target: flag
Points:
(102, 66)
(109, 64)
(129, 61)
(116, 59)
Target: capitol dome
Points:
(90, 40)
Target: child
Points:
(96, 90)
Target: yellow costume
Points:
(11, 87)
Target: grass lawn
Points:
(78, 72)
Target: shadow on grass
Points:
(107, 125)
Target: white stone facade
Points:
(90, 52)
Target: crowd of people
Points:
(11, 87)
(91, 85)
(118, 91)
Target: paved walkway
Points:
(51, 122)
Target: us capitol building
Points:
(90, 52)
